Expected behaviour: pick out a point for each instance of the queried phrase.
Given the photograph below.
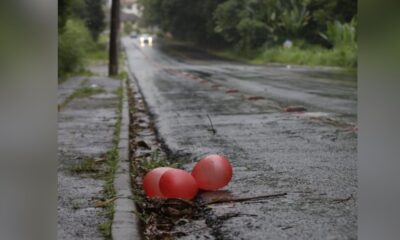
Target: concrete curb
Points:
(125, 225)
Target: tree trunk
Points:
(114, 39)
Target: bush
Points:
(73, 44)
(344, 56)
(341, 34)
(128, 28)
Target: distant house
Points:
(130, 12)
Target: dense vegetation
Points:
(256, 29)
(80, 23)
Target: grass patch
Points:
(86, 166)
(345, 57)
(81, 73)
(76, 204)
(158, 160)
(122, 75)
(99, 51)
(81, 92)
(111, 162)
(342, 57)
(105, 229)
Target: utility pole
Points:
(114, 39)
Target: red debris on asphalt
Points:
(295, 109)
(231, 91)
(254, 98)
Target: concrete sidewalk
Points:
(85, 134)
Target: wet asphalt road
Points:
(309, 156)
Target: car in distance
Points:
(146, 39)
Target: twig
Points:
(338, 200)
(244, 199)
(212, 126)
(105, 203)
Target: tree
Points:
(185, 21)
(95, 17)
(63, 8)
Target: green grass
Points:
(111, 162)
(342, 57)
(85, 166)
(105, 229)
(345, 57)
(122, 75)
(82, 73)
(158, 160)
(98, 52)
(81, 92)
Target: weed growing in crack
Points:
(111, 162)
(81, 92)
(105, 229)
(85, 166)
(157, 159)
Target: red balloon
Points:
(176, 183)
(212, 172)
(151, 182)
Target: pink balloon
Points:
(176, 183)
(151, 182)
(212, 172)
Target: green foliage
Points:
(157, 159)
(81, 92)
(343, 56)
(294, 18)
(63, 7)
(89, 11)
(94, 17)
(250, 24)
(86, 166)
(257, 28)
(191, 22)
(128, 28)
(73, 43)
(341, 34)
(77, 9)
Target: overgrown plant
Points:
(341, 34)
(73, 44)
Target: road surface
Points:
(311, 156)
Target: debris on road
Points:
(255, 98)
(232, 91)
(295, 109)
(212, 129)
(230, 200)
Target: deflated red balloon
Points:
(151, 182)
(176, 183)
(212, 172)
